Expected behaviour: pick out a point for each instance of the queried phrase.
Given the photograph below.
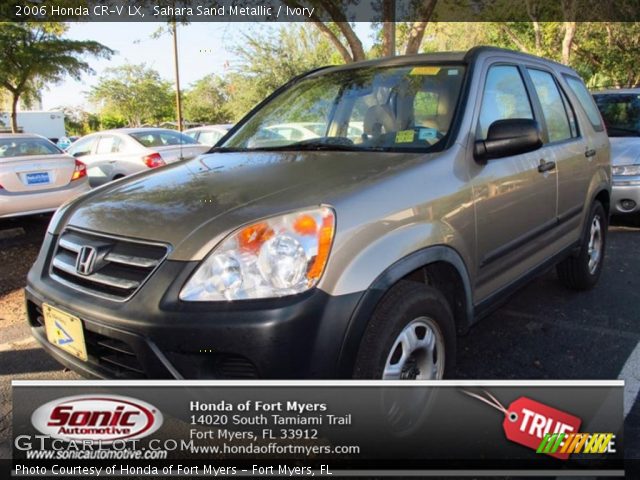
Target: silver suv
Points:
(430, 188)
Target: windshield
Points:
(621, 113)
(22, 147)
(395, 109)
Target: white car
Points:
(36, 176)
(114, 154)
(620, 110)
(208, 134)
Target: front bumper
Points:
(155, 335)
(625, 189)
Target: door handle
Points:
(546, 166)
(590, 153)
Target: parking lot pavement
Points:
(543, 332)
(546, 331)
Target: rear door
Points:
(105, 157)
(564, 146)
(515, 202)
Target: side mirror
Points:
(508, 137)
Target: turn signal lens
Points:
(79, 171)
(251, 238)
(305, 225)
(325, 237)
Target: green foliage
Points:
(79, 122)
(605, 54)
(206, 101)
(267, 61)
(134, 95)
(34, 55)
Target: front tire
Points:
(582, 271)
(411, 336)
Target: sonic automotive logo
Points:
(104, 418)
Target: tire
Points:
(412, 308)
(582, 271)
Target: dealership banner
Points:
(315, 428)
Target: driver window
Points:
(505, 97)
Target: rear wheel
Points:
(582, 271)
(411, 336)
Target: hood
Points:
(192, 205)
(625, 150)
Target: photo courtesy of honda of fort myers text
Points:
(319, 238)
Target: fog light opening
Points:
(627, 204)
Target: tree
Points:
(78, 121)
(265, 62)
(134, 93)
(343, 37)
(206, 101)
(33, 55)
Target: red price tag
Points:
(527, 421)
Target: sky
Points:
(203, 49)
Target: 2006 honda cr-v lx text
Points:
(437, 185)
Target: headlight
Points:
(280, 256)
(626, 170)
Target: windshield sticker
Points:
(405, 136)
(427, 133)
(425, 71)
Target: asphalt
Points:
(543, 332)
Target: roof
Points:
(21, 135)
(446, 57)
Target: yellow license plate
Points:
(65, 331)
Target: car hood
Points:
(193, 205)
(625, 150)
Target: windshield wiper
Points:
(306, 145)
(227, 150)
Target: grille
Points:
(116, 268)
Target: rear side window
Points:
(108, 145)
(553, 107)
(586, 100)
(505, 97)
(82, 147)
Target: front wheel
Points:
(582, 271)
(411, 336)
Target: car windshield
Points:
(621, 113)
(389, 109)
(153, 138)
(23, 147)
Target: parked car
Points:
(331, 257)
(620, 110)
(65, 142)
(114, 154)
(36, 176)
(208, 134)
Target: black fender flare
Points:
(389, 277)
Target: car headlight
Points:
(626, 170)
(279, 256)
